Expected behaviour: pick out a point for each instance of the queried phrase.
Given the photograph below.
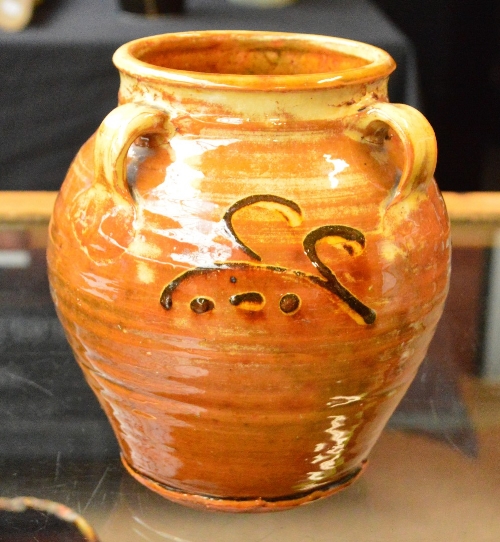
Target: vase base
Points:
(228, 504)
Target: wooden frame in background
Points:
(27, 206)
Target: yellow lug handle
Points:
(115, 136)
(417, 137)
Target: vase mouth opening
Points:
(253, 60)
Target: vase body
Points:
(249, 259)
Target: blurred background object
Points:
(152, 7)
(28, 519)
(16, 14)
(262, 3)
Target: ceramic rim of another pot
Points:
(58, 510)
(379, 63)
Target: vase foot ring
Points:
(222, 504)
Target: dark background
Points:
(458, 53)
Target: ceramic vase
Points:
(249, 259)
(262, 3)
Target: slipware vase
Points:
(249, 259)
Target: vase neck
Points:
(254, 76)
(237, 107)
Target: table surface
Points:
(432, 476)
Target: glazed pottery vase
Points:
(262, 3)
(249, 259)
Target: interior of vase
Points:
(246, 56)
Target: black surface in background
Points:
(36, 526)
(458, 52)
(152, 7)
(46, 407)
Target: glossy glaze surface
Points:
(250, 267)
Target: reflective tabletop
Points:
(432, 476)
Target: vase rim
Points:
(370, 62)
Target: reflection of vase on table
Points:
(250, 258)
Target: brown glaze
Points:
(238, 378)
(344, 236)
(255, 300)
(289, 303)
(276, 202)
(249, 300)
(199, 305)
